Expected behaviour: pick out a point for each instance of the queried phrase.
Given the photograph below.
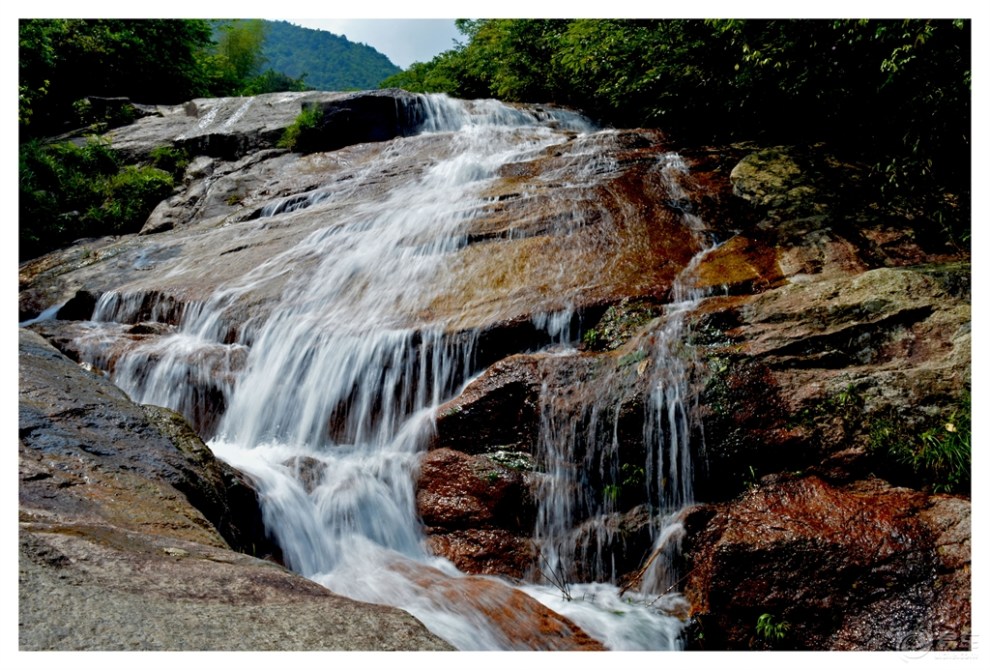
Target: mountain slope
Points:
(330, 62)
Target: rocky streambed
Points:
(826, 330)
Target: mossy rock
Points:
(619, 323)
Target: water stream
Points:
(334, 393)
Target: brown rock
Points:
(500, 408)
(518, 621)
(485, 551)
(799, 374)
(851, 568)
(478, 513)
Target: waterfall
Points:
(584, 471)
(328, 399)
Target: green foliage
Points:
(307, 120)
(936, 454)
(240, 47)
(128, 198)
(271, 81)
(236, 58)
(631, 477)
(101, 118)
(618, 324)
(440, 75)
(770, 629)
(172, 160)
(592, 339)
(68, 191)
(895, 92)
(65, 60)
(751, 479)
(632, 358)
(326, 61)
(37, 64)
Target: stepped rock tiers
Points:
(540, 385)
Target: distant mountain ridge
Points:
(330, 62)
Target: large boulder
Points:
(836, 340)
(865, 567)
(800, 376)
(230, 128)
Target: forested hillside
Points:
(325, 61)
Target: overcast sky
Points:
(404, 41)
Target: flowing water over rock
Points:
(319, 368)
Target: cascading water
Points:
(332, 395)
(584, 477)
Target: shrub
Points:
(68, 191)
(771, 630)
(307, 120)
(936, 454)
(129, 197)
(170, 159)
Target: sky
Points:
(404, 41)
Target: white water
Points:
(337, 395)
(584, 467)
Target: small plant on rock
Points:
(306, 121)
(938, 454)
(770, 629)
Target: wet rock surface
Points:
(478, 512)
(839, 322)
(133, 536)
(231, 128)
(861, 567)
(827, 314)
(823, 323)
(520, 622)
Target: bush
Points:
(307, 121)
(69, 191)
(171, 160)
(129, 197)
(770, 629)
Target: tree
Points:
(238, 55)
(64, 60)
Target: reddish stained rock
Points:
(950, 522)
(847, 568)
(741, 265)
(519, 621)
(477, 512)
(485, 551)
(458, 490)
